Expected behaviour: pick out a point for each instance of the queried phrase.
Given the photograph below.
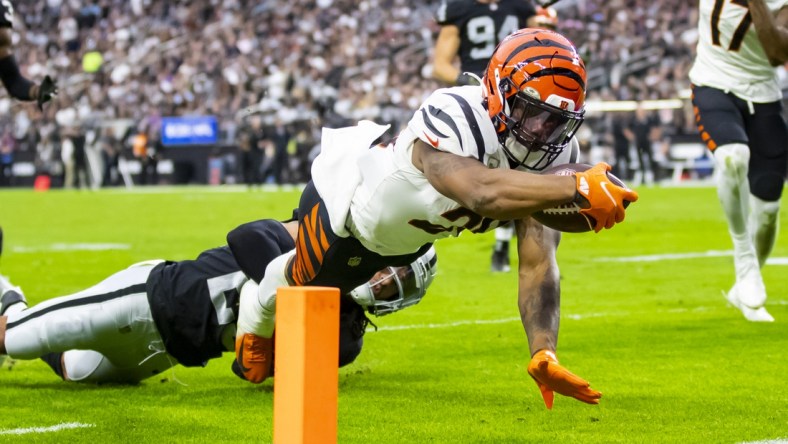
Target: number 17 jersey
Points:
(730, 56)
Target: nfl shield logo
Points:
(354, 261)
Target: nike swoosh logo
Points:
(433, 142)
(610, 196)
(240, 360)
(584, 188)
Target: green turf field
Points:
(675, 363)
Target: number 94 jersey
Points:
(730, 56)
(482, 26)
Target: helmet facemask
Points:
(535, 93)
(536, 131)
(395, 288)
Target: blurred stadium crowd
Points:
(273, 72)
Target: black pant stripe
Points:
(70, 303)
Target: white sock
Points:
(744, 258)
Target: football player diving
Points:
(154, 315)
(460, 164)
(469, 31)
(17, 85)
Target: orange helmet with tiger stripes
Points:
(535, 90)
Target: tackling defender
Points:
(739, 114)
(17, 85)
(153, 315)
(456, 166)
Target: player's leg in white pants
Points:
(733, 190)
(111, 319)
(763, 225)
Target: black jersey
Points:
(192, 302)
(482, 26)
(6, 14)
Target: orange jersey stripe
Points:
(311, 228)
(303, 252)
(323, 239)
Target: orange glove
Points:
(255, 357)
(551, 377)
(600, 198)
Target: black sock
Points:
(501, 246)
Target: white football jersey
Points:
(730, 56)
(395, 210)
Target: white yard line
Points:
(447, 325)
(572, 316)
(768, 441)
(678, 256)
(54, 428)
(71, 247)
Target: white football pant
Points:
(107, 331)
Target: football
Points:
(567, 217)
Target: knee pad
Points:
(80, 365)
(763, 213)
(732, 158)
(767, 186)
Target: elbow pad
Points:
(17, 86)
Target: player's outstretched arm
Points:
(539, 303)
(503, 194)
(538, 283)
(490, 192)
(772, 31)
